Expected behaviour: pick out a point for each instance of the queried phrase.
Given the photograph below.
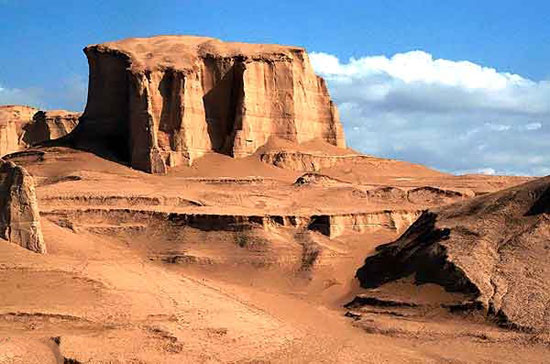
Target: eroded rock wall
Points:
(330, 225)
(49, 125)
(165, 101)
(337, 224)
(19, 216)
(494, 247)
(25, 126)
(13, 118)
(307, 162)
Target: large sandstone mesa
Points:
(19, 216)
(167, 100)
(24, 126)
(495, 248)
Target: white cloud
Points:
(533, 126)
(418, 66)
(498, 127)
(453, 115)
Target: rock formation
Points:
(19, 217)
(307, 162)
(163, 101)
(494, 247)
(49, 125)
(24, 126)
(13, 118)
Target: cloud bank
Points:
(456, 116)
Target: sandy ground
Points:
(117, 289)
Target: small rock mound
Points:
(308, 179)
(493, 247)
(387, 193)
(19, 217)
(306, 161)
(434, 195)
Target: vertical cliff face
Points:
(163, 101)
(19, 216)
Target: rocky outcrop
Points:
(426, 195)
(387, 194)
(436, 196)
(331, 225)
(307, 161)
(13, 118)
(493, 247)
(19, 217)
(334, 225)
(317, 179)
(163, 101)
(49, 125)
(25, 126)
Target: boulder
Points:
(19, 216)
(167, 100)
(494, 248)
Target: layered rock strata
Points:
(330, 225)
(308, 162)
(493, 247)
(19, 216)
(164, 101)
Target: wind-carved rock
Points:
(49, 125)
(24, 126)
(164, 101)
(19, 216)
(493, 247)
(13, 118)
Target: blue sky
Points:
(41, 62)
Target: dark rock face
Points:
(164, 101)
(417, 252)
(19, 216)
(495, 247)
